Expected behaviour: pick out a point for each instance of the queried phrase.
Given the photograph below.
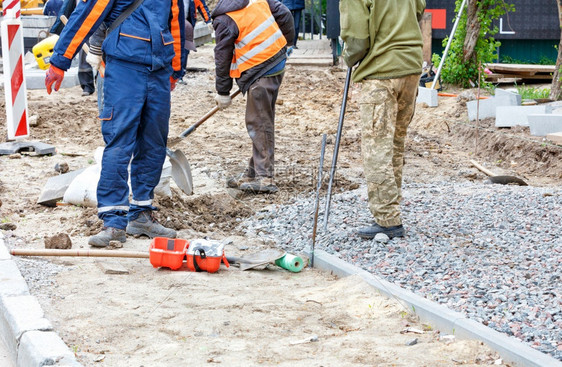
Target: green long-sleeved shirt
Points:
(384, 35)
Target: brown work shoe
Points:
(259, 185)
(236, 181)
(106, 235)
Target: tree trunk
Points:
(556, 87)
(472, 29)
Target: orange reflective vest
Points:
(259, 37)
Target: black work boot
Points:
(106, 235)
(259, 185)
(146, 224)
(372, 230)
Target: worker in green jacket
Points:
(384, 39)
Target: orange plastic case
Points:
(167, 252)
(205, 255)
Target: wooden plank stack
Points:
(514, 73)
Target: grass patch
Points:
(532, 92)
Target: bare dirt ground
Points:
(156, 317)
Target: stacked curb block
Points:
(27, 334)
(510, 349)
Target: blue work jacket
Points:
(152, 36)
(293, 4)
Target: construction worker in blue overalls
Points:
(143, 57)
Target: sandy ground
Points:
(267, 317)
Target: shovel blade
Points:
(258, 259)
(181, 171)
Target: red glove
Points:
(173, 82)
(54, 75)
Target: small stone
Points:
(412, 342)
(60, 241)
(33, 120)
(112, 267)
(61, 167)
(114, 244)
(8, 226)
(381, 238)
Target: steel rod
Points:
(317, 199)
(336, 148)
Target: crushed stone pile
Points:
(490, 252)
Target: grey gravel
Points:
(381, 238)
(491, 252)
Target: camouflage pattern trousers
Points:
(387, 107)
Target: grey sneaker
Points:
(259, 185)
(146, 224)
(106, 235)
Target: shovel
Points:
(246, 262)
(258, 259)
(181, 170)
(503, 180)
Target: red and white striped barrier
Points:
(11, 4)
(14, 79)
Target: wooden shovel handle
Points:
(86, 253)
(481, 168)
(192, 128)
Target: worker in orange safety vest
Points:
(251, 47)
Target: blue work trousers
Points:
(134, 124)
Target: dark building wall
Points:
(528, 35)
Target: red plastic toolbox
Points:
(167, 252)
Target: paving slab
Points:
(509, 116)
(35, 78)
(312, 53)
(36, 147)
(502, 92)
(427, 96)
(510, 349)
(544, 124)
(487, 107)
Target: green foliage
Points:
(455, 70)
(533, 93)
(544, 60)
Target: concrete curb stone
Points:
(23, 328)
(510, 349)
(19, 315)
(39, 348)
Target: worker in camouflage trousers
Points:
(143, 53)
(384, 39)
(251, 47)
